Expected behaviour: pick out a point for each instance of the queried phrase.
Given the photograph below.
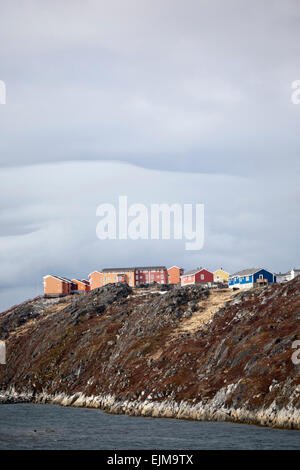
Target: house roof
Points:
(288, 272)
(148, 268)
(192, 271)
(58, 277)
(82, 281)
(246, 272)
(106, 270)
(174, 267)
(99, 272)
(221, 269)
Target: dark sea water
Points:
(28, 426)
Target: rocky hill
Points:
(187, 352)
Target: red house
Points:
(196, 276)
(150, 274)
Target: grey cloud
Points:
(203, 86)
(245, 220)
(163, 101)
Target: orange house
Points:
(132, 276)
(82, 285)
(96, 280)
(119, 275)
(57, 285)
(137, 275)
(174, 274)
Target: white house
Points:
(288, 276)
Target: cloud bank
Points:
(173, 101)
(48, 221)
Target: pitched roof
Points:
(58, 277)
(192, 271)
(288, 272)
(246, 272)
(82, 281)
(221, 269)
(99, 272)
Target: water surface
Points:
(31, 426)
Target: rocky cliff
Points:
(185, 352)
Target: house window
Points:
(261, 276)
(202, 276)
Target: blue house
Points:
(250, 278)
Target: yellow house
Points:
(221, 276)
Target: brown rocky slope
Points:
(132, 351)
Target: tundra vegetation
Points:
(183, 352)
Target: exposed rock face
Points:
(116, 349)
(22, 314)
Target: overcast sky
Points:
(162, 101)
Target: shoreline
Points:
(285, 418)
